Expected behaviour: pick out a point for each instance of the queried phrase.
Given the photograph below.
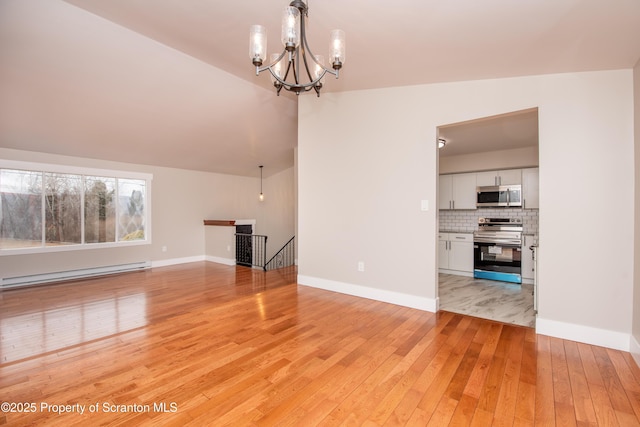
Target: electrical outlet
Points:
(164, 249)
(228, 248)
(360, 265)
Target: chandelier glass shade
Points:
(296, 68)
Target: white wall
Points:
(365, 161)
(276, 215)
(275, 218)
(367, 158)
(220, 244)
(181, 200)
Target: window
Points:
(99, 209)
(57, 208)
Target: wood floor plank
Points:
(545, 404)
(628, 378)
(612, 381)
(562, 396)
(404, 375)
(433, 340)
(507, 397)
(525, 404)
(482, 418)
(459, 342)
(488, 398)
(477, 378)
(582, 400)
(207, 344)
(443, 412)
(464, 411)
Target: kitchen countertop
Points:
(534, 235)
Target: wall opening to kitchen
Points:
(492, 150)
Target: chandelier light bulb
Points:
(319, 67)
(291, 28)
(258, 44)
(276, 68)
(337, 49)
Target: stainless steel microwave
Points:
(500, 196)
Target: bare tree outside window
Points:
(62, 208)
(49, 209)
(99, 209)
(20, 208)
(131, 221)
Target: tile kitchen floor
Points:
(488, 299)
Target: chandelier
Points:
(296, 69)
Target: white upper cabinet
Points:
(530, 189)
(445, 191)
(502, 177)
(457, 191)
(464, 191)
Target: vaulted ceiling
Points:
(170, 83)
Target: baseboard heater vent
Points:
(36, 279)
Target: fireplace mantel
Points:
(220, 222)
(229, 222)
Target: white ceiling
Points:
(513, 130)
(170, 83)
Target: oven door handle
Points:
(510, 243)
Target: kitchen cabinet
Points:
(527, 261)
(443, 250)
(501, 177)
(530, 188)
(455, 252)
(457, 191)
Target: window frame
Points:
(84, 171)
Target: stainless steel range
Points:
(497, 249)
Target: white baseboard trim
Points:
(584, 334)
(405, 300)
(220, 260)
(174, 261)
(61, 276)
(635, 349)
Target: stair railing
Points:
(251, 250)
(284, 257)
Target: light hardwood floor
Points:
(219, 345)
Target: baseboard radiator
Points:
(36, 279)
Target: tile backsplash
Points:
(467, 220)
